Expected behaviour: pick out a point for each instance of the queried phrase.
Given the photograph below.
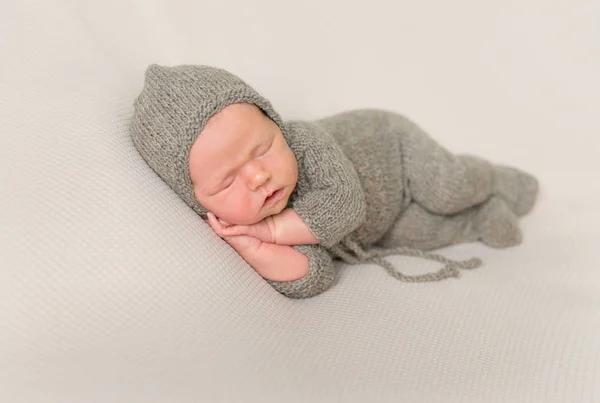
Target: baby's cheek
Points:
(243, 208)
(280, 167)
(291, 166)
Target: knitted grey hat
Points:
(172, 109)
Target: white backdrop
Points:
(111, 290)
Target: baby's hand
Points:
(241, 243)
(263, 230)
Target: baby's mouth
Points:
(273, 197)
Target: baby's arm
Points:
(300, 271)
(332, 203)
(320, 277)
(285, 228)
(275, 262)
(278, 263)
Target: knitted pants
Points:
(457, 198)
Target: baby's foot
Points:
(518, 189)
(497, 224)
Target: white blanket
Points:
(112, 290)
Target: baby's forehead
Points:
(226, 137)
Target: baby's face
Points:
(241, 167)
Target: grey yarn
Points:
(371, 183)
(358, 255)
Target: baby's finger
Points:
(242, 242)
(224, 223)
(214, 223)
(234, 230)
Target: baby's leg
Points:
(440, 181)
(491, 222)
(445, 183)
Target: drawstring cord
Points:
(356, 254)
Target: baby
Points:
(293, 196)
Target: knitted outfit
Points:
(370, 182)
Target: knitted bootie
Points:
(496, 224)
(518, 189)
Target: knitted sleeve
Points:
(332, 203)
(320, 277)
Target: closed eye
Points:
(227, 182)
(223, 185)
(265, 150)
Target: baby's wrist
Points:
(272, 227)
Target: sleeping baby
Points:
(292, 197)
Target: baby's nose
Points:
(256, 175)
(259, 179)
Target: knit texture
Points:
(370, 182)
(321, 274)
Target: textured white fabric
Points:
(112, 290)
